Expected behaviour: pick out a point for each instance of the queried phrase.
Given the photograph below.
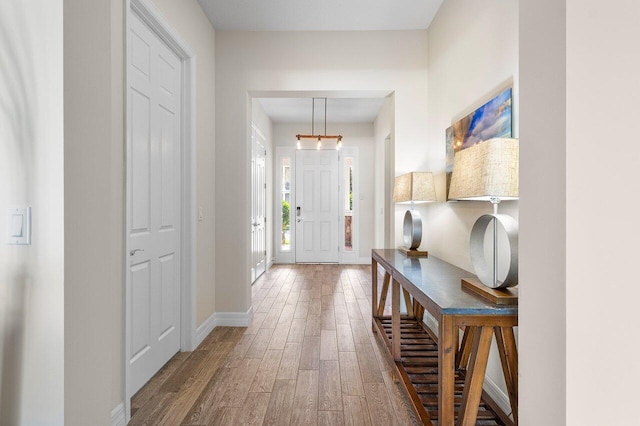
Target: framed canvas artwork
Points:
(491, 120)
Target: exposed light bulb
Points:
(298, 144)
(319, 144)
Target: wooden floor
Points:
(309, 357)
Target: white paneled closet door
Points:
(153, 203)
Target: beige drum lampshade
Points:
(485, 170)
(415, 187)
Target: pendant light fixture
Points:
(319, 137)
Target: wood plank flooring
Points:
(308, 358)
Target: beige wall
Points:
(542, 244)
(94, 182)
(192, 25)
(31, 174)
(280, 61)
(473, 55)
(603, 200)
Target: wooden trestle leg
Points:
(509, 357)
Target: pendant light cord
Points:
(313, 114)
(313, 126)
(325, 116)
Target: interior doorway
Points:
(153, 207)
(364, 119)
(159, 253)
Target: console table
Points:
(442, 373)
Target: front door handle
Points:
(132, 252)
(298, 211)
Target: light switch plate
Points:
(19, 225)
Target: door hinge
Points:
(265, 186)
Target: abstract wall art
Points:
(491, 120)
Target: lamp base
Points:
(413, 252)
(499, 296)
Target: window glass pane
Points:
(348, 204)
(285, 243)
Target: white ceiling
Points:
(339, 110)
(320, 15)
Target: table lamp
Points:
(413, 188)
(488, 171)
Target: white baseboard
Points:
(234, 319)
(204, 329)
(431, 323)
(497, 394)
(364, 261)
(118, 416)
(271, 262)
(227, 319)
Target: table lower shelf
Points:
(418, 369)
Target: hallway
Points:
(309, 357)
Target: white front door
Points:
(153, 204)
(317, 207)
(258, 205)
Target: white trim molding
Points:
(204, 329)
(118, 417)
(279, 255)
(225, 319)
(497, 394)
(234, 319)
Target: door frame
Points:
(152, 17)
(353, 256)
(256, 129)
(281, 153)
(289, 257)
